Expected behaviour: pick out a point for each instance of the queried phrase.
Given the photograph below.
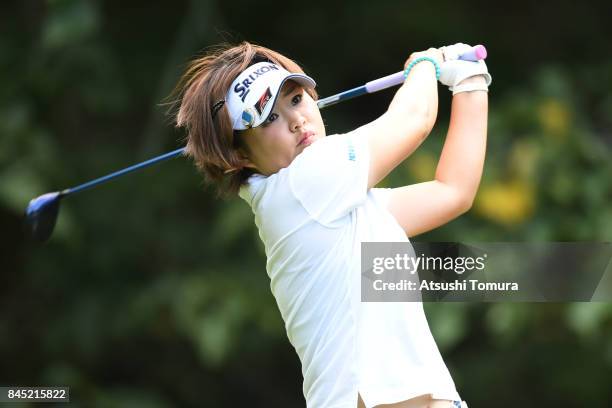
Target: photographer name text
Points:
(456, 285)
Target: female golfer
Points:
(254, 128)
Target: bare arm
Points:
(421, 207)
(463, 155)
(409, 119)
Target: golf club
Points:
(41, 213)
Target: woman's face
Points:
(294, 123)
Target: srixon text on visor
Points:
(242, 88)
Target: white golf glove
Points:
(452, 52)
(454, 70)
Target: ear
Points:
(248, 164)
(245, 161)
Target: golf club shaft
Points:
(476, 53)
(119, 173)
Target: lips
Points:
(306, 139)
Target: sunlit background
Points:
(152, 293)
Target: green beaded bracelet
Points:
(416, 61)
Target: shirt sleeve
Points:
(330, 177)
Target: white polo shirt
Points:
(312, 217)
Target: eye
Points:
(272, 118)
(296, 99)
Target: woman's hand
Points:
(463, 76)
(434, 53)
(453, 52)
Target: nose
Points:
(297, 120)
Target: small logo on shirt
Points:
(351, 152)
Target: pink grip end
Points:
(480, 51)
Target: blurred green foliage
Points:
(151, 293)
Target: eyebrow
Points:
(289, 88)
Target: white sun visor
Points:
(252, 95)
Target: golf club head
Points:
(41, 215)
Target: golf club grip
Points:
(477, 52)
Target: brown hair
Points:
(211, 141)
